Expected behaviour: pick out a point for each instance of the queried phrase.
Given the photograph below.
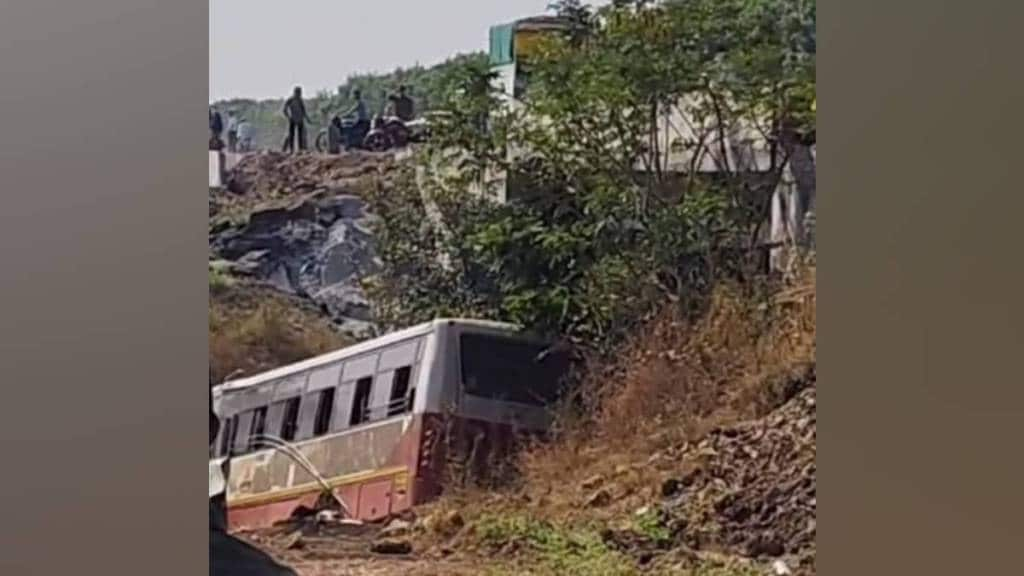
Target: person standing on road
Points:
(335, 136)
(244, 135)
(361, 114)
(232, 131)
(295, 112)
(216, 124)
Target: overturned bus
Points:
(373, 425)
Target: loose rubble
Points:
(750, 489)
(270, 174)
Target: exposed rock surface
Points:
(298, 224)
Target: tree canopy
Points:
(610, 234)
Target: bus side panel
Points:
(371, 488)
(455, 448)
(375, 500)
(266, 515)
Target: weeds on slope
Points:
(674, 383)
(531, 547)
(253, 329)
(550, 548)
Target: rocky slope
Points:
(298, 224)
(750, 489)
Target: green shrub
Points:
(552, 549)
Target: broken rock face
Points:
(309, 234)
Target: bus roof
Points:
(542, 22)
(502, 36)
(355, 349)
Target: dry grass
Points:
(673, 384)
(254, 329)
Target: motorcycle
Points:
(385, 133)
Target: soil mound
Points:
(750, 489)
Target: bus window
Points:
(256, 428)
(290, 421)
(509, 370)
(324, 410)
(232, 442)
(361, 402)
(400, 391)
(227, 435)
(521, 83)
(240, 435)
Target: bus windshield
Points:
(511, 370)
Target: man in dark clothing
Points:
(403, 106)
(295, 112)
(335, 136)
(216, 123)
(216, 128)
(229, 556)
(361, 115)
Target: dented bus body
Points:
(376, 423)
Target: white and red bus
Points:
(376, 422)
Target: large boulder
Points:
(319, 249)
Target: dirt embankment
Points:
(698, 457)
(267, 178)
(741, 501)
(254, 328)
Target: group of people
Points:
(239, 132)
(401, 106)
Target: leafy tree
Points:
(610, 232)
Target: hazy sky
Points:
(261, 48)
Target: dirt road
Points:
(347, 551)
